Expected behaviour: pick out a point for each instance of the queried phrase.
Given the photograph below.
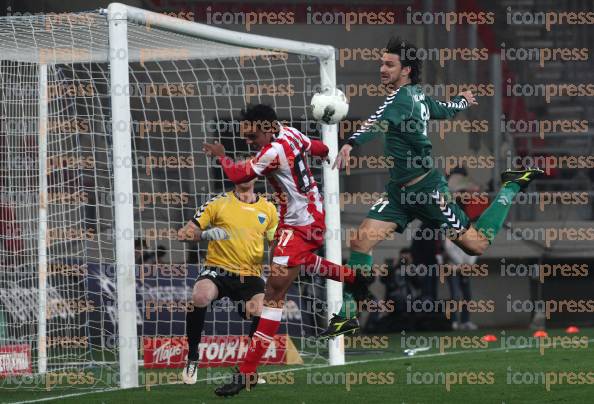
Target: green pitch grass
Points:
(468, 373)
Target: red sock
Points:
(316, 265)
(264, 335)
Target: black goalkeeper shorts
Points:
(235, 287)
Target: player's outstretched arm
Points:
(238, 172)
(446, 110)
(318, 148)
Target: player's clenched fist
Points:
(214, 149)
(186, 234)
(214, 233)
(469, 97)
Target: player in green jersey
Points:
(416, 190)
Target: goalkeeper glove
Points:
(215, 233)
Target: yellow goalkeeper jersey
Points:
(247, 225)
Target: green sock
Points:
(349, 306)
(359, 262)
(492, 219)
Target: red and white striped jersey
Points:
(284, 163)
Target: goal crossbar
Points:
(204, 31)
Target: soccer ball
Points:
(330, 106)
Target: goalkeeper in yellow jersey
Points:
(235, 224)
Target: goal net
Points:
(59, 236)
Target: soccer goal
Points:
(103, 118)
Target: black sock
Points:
(254, 325)
(194, 326)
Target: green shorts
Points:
(428, 200)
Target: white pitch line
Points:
(39, 400)
(398, 358)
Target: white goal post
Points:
(118, 15)
(76, 85)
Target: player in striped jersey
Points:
(282, 160)
(416, 190)
(236, 224)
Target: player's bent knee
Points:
(201, 299)
(356, 244)
(204, 292)
(369, 234)
(274, 292)
(476, 248)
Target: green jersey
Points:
(403, 119)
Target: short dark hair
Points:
(261, 115)
(408, 57)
